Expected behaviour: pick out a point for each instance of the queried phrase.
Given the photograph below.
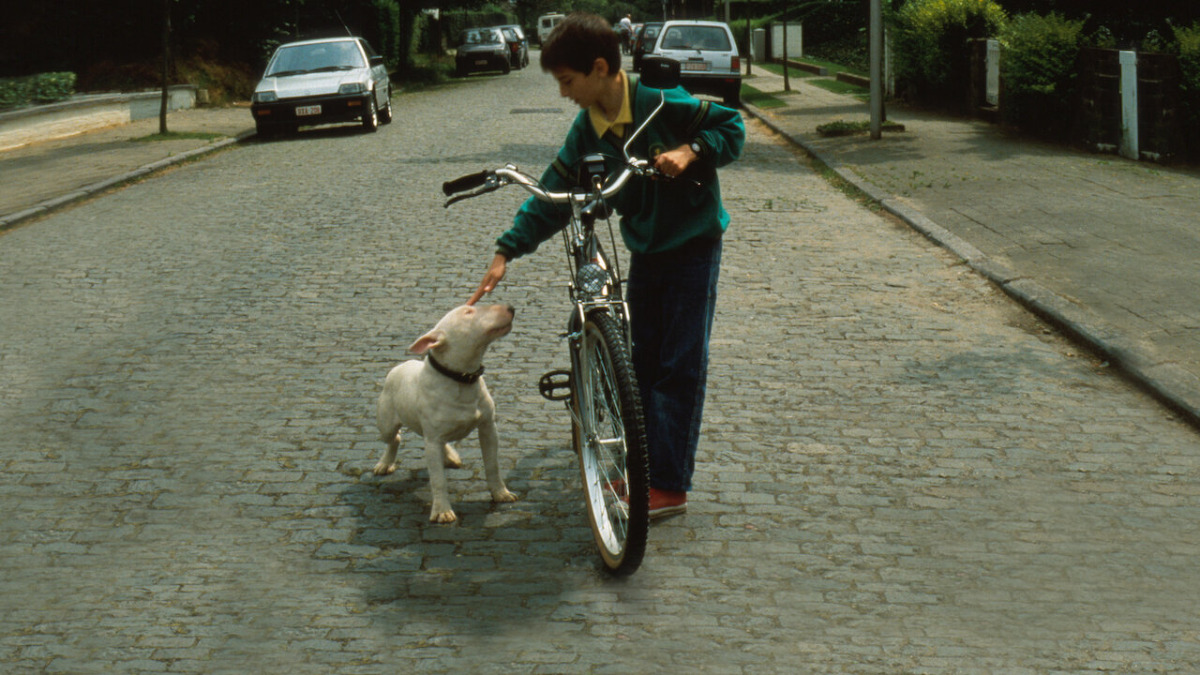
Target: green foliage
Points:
(41, 88)
(1188, 46)
(931, 49)
(1039, 71)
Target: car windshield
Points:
(709, 38)
(321, 56)
(480, 37)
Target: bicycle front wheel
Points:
(609, 434)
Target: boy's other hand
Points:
(490, 280)
(673, 162)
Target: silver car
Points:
(708, 57)
(322, 81)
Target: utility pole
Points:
(876, 56)
(166, 47)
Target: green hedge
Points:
(1039, 70)
(931, 48)
(1188, 45)
(42, 88)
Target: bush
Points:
(1188, 46)
(931, 49)
(1039, 71)
(42, 88)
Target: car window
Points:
(319, 56)
(710, 38)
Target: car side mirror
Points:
(376, 60)
(659, 72)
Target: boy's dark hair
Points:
(578, 40)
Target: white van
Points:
(546, 23)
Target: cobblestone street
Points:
(901, 470)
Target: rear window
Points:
(710, 38)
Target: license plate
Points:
(306, 110)
(481, 62)
(695, 65)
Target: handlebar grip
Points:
(468, 182)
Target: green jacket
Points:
(655, 215)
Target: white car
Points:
(546, 23)
(322, 81)
(707, 55)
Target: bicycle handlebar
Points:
(465, 183)
(493, 179)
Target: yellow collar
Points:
(602, 124)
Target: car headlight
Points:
(265, 97)
(352, 88)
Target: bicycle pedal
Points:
(555, 385)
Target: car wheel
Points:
(385, 115)
(370, 118)
(264, 131)
(506, 67)
(733, 96)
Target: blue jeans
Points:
(672, 297)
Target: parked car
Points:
(643, 42)
(546, 23)
(322, 81)
(708, 57)
(518, 46)
(482, 49)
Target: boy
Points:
(672, 228)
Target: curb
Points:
(12, 220)
(1176, 388)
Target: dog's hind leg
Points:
(453, 461)
(387, 463)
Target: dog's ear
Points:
(427, 341)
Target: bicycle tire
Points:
(609, 434)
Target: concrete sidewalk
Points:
(40, 177)
(1105, 248)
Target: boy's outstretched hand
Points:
(673, 162)
(490, 280)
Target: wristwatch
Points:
(696, 148)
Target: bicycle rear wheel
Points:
(609, 434)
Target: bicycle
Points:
(601, 392)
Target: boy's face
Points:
(584, 89)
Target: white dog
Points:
(443, 398)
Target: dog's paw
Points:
(502, 496)
(442, 517)
(384, 469)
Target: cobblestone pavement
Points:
(1101, 245)
(901, 472)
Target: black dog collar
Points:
(465, 378)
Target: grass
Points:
(759, 98)
(778, 70)
(844, 128)
(839, 87)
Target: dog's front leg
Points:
(435, 458)
(489, 443)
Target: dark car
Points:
(482, 49)
(321, 81)
(518, 46)
(643, 42)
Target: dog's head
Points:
(463, 335)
